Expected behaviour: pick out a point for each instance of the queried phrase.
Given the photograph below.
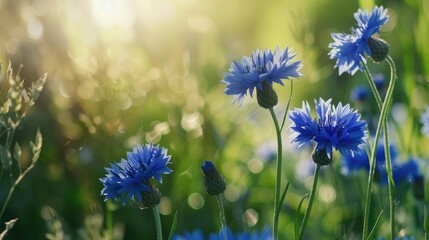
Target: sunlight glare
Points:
(107, 13)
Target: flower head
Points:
(349, 49)
(337, 127)
(262, 68)
(424, 119)
(129, 179)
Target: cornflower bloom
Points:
(338, 128)
(130, 178)
(360, 159)
(260, 71)
(402, 172)
(349, 49)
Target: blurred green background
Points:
(128, 72)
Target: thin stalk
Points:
(426, 220)
(278, 175)
(109, 221)
(382, 121)
(373, 87)
(310, 202)
(391, 183)
(155, 211)
(12, 189)
(287, 105)
(222, 215)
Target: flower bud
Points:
(267, 97)
(152, 197)
(213, 181)
(320, 157)
(379, 49)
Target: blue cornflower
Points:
(265, 234)
(360, 159)
(405, 172)
(262, 68)
(337, 127)
(129, 179)
(401, 171)
(359, 93)
(424, 119)
(349, 49)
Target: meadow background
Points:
(122, 73)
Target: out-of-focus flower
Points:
(424, 119)
(379, 81)
(401, 171)
(260, 71)
(130, 178)
(359, 93)
(265, 234)
(404, 172)
(360, 159)
(349, 49)
(188, 235)
(213, 181)
(267, 151)
(337, 127)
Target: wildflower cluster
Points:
(334, 128)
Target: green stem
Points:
(12, 189)
(373, 87)
(391, 183)
(9, 195)
(382, 123)
(222, 216)
(426, 220)
(287, 105)
(155, 210)
(310, 202)
(109, 220)
(278, 175)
